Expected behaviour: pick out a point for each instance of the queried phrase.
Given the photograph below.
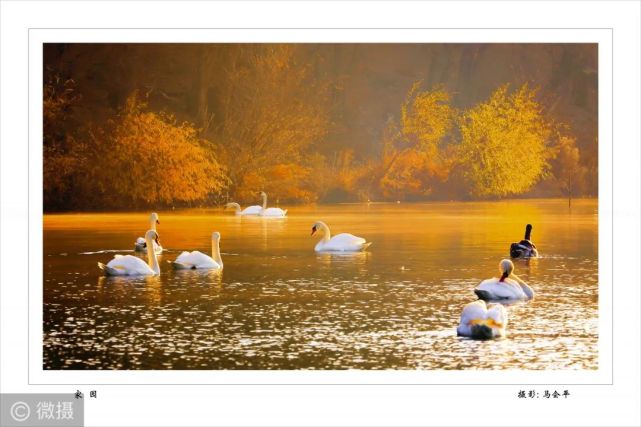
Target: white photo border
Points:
(601, 36)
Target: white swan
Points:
(140, 245)
(343, 242)
(129, 265)
(265, 211)
(482, 322)
(199, 260)
(250, 210)
(508, 286)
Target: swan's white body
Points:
(199, 260)
(140, 241)
(250, 210)
(479, 321)
(343, 242)
(273, 212)
(509, 286)
(129, 265)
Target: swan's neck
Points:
(264, 196)
(236, 207)
(152, 260)
(327, 235)
(215, 252)
(152, 224)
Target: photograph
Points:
(320, 206)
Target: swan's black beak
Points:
(313, 230)
(157, 221)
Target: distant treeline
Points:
(136, 126)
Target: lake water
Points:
(279, 305)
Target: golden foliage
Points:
(415, 155)
(427, 117)
(283, 182)
(272, 111)
(268, 116)
(504, 144)
(569, 171)
(151, 159)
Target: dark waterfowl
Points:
(525, 248)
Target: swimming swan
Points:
(525, 248)
(482, 322)
(508, 286)
(265, 211)
(140, 245)
(343, 242)
(199, 260)
(250, 210)
(130, 265)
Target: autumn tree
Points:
(148, 158)
(415, 152)
(504, 144)
(62, 156)
(270, 110)
(568, 170)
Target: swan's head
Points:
(231, 205)
(215, 236)
(152, 235)
(506, 267)
(154, 218)
(262, 194)
(315, 227)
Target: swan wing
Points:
(252, 210)
(127, 265)
(493, 289)
(183, 257)
(498, 313)
(343, 242)
(273, 212)
(473, 310)
(195, 259)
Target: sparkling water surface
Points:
(279, 305)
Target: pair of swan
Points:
(141, 245)
(343, 242)
(481, 321)
(129, 265)
(258, 210)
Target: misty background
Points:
(131, 126)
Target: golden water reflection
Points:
(279, 305)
